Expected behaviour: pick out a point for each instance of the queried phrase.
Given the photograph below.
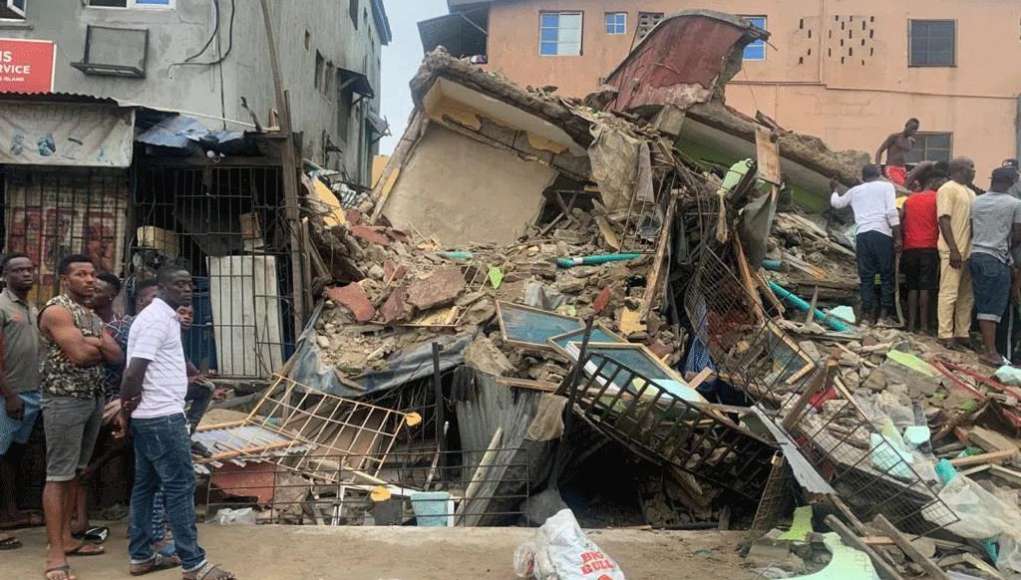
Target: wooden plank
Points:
(820, 382)
(478, 478)
(526, 384)
(994, 457)
(745, 272)
(990, 440)
(934, 571)
(652, 281)
(701, 377)
(767, 154)
(1005, 474)
(886, 571)
(763, 285)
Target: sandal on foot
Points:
(209, 572)
(96, 535)
(62, 572)
(85, 549)
(157, 563)
(9, 543)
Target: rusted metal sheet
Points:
(685, 60)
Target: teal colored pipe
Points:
(460, 256)
(803, 306)
(773, 265)
(595, 260)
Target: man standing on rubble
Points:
(897, 146)
(878, 238)
(953, 209)
(996, 227)
(152, 394)
(920, 260)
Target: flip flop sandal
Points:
(63, 569)
(96, 535)
(10, 543)
(204, 572)
(85, 549)
(158, 562)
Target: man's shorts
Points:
(991, 280)
(72, 426)
(12, 431)
(920, 267)
(897, 174)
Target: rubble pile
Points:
(726, 382)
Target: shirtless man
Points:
(897, 146)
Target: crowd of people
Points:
(946, 235)
(87, 371)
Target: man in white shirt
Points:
(152, 394)
(878, 238)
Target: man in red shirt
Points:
(920, 260)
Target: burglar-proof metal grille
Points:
(51, 213)
(423, 488)
(754, 354)
(227, 225)
(664, 428)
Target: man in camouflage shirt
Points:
(72, 384)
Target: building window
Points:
(932, 147)
(320, 65)
(616, 23)
(560, 33)
(756, 50)
(328, 77)
(131, 3)
(352, 11)
(12, 9)
(646, 22)
(932, 42)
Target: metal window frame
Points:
(581, 29)
(134, 5)
(924, 149)
(756, 43)
(911, 23)
(607, 24)
(116, 70)
(18, 14)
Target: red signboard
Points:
(26, 66)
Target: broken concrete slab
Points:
(371, 234)
(396, 307)
(353, 298)
(440, 288)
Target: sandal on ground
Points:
(157, 563)
(85, 549)
(209, 572)
(61, 572)
(96, 535)
(9, 543)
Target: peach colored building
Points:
(848, 72)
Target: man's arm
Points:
(838, 201)
(916, 171)
(13, 405)
(57, 323)
(882, 148)
(131, 383)
(948, 236)
(893, 216)
(112, 352)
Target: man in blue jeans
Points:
(878, 238)
(996, 228)
(153, 391)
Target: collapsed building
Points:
(620, 304)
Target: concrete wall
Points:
(802, 83)
(460, 191)
(212, 92)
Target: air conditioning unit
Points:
(13, 9)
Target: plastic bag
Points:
(1009, 558)
(240, 517)
(561, 551)
(982, 515)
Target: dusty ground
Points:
(380, 553)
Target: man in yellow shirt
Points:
(953, 209)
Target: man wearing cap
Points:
(996, 228)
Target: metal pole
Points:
(572, 394)
(438, 398)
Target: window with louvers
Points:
(646, 22)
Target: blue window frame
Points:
(757, 49)
(616, 23)
(560, 33)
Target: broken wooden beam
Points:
(886, 571)
(984, 458)
(934, 571)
